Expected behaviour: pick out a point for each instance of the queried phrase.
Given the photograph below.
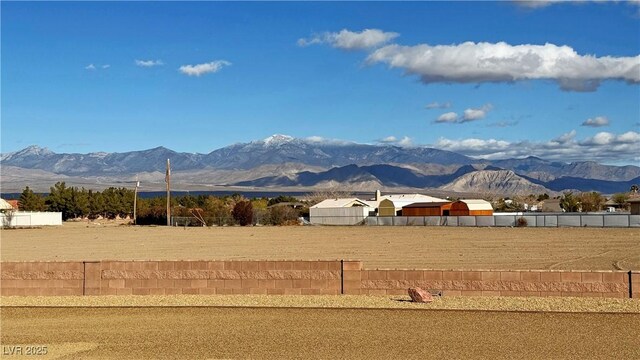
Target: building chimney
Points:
(378, 195)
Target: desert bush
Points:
(152, 215)
(591, 201)
(621, 199)
(569, 202)
(282, 198)
(243, 213)
(282, 215)
(522, 222)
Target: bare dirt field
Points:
(277, 333)
(378, 247)
(198, 328)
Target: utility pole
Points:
(135, 201)
(167, 179)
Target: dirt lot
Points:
(238, 332)
(125, 333)
(378, 247)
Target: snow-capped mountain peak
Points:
(277, 139)
(33, 150)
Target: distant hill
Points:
(386, 175)
(495, 182)
(580, 184)
(539, 168)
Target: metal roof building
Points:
(339, 203)
(347, 211)
(391, 205)
(471, 207)
(436, 208)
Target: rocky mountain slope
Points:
(281, 161)
(494, 182)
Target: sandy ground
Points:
(378, 247)
(486, 303)
(185, 333)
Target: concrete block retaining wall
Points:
(42, 278)
(171, 277)
(615, 284)
(297, 278)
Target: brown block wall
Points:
(218, 277)
(297, 278)
(635, 284)
(41, 278)
(496, 283)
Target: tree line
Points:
(75, 202)
(589, 201)
(112, 203)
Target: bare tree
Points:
(7, 218)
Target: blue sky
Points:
(487, 79)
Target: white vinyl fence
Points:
(30, 219)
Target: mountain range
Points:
(286, 163)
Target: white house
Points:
(4, 205)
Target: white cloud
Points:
(94, 67)
(476, 114)
(315, 139)
(201, 69)
(607, 138)
(629, 137)
(388, 139)
(437, 105)
(601, 138)
(450, 117)
(322, 140)
(471, 114)
(392, 140)
(149, 63)
(604, 147)
(471, 62)
(350, 40)
(537, 4)
(405, 141)
(565, 138)
(472, 146)
(598, 121)
(316, 39)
